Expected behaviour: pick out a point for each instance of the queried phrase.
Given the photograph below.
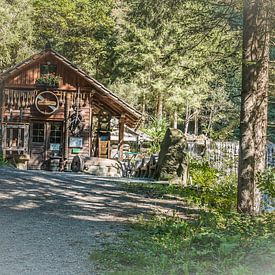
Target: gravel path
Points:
(50, 222)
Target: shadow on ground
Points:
(51, 222)
(77, 196)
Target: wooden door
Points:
(45, 141)
(38, 135)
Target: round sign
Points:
(46, 103)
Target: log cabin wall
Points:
(18, 98)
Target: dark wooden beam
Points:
(121, 136)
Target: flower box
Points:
(48, 81)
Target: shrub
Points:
(213, 188)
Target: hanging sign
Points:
(46, 103)
(76, 142)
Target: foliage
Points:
(267, 181)
(202, 173)
(3, 162)
(48, 80)
(16, 32)
(213, 243)
(164, 57)
(179, 54)
(219, 196)
(212, 239)
(156, 131)
(77, 29)
(267, 186)
(214, 188)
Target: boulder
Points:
(96, 166)
(171, 161)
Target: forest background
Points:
(178, 62)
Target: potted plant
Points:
(49, 80)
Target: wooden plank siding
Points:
(18, 92)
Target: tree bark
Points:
(196, 123)
(160, 106)
(143, 110)
(253, 120)
(175, 120)
(187, 120)
(209, 127)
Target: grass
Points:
(211, 244)
(217, 241)
(3, 162)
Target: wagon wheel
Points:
(77, 164)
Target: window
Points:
(55, 134)
(15, 137)
(38, 132)
(46, 69)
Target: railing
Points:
(225, 155)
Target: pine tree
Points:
(16, 32)
(253, 127)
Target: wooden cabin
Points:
(50, 109)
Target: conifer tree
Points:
(253, 127)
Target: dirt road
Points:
(50, 222)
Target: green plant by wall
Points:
(2, 161)
(48, 80)
(156, 131)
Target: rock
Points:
(171, 162)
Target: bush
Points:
(212, 188)
(267, 182)
(156, 130)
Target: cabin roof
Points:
(132, 114)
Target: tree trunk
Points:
(143, 110)
(143, 104)
(175, 120)
(209, 127)
(253, 121)
(196, 122)
(187, 120)
(160, 106)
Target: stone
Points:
(171, 162)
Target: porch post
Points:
(2, 106)
(121, 136)
(66, 128)
(91, 124)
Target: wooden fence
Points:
(224, 155)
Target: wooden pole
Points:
(91, 125)
(66, 127)
(121, 136)
(2, 106)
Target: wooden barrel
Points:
(77, 164)
(54, 164)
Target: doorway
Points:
(46, 139)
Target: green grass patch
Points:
(214, 243)
(221, 197)
(217, 240)
(3, 162)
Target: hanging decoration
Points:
(76, 125)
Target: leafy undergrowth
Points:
(3, 162)
(214, 243)
(221, 197)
